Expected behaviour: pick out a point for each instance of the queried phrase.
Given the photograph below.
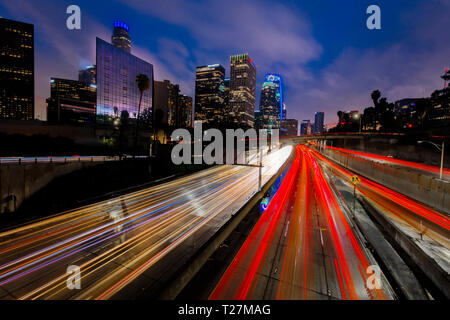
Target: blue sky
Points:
(328, 58)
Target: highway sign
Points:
(355, 180)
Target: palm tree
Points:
(376, 94)
(143, 83)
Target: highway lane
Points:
(303, 247)
(125, 244)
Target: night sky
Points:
(328, 58)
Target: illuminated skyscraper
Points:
(71, 101)
(117, 89)
(289, 127)
(121, 38)
(171, 107)
(269, 107)
(16, 70)
(272, 107)
(210, 93)
(241, 108)
(319, 118)
(305, 127)
(88, 75)
(185, 111)
(278, 84)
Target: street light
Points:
(441, 149)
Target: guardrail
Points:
(65, 159)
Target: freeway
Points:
(430, 228)
(130, 244)
(303, 247)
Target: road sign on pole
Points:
(355, 181)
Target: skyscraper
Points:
(173, 104)
(121, 38)
(117, 89)
(241, 108)
(319, 118)
(269, 107)
(185, 111)
(289, 127)
(210, 93)
(16, 70)
(278, 83)
(71, 101)
(88, 75)
(305, 127)
(171, 107)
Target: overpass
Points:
(301, 139)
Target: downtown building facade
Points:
(305, 127)
(171, 107)
(289, 127)
(210, 93)
(319, 125)
(88, 75)
(16, 70)
(116, 72)
(185, 111)
(272, 107)
(241, 109)
(71, 102)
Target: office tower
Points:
(210, 93)
(173, 104)
(319, 118)
(270, 106)
(161, 102)
(305, 127)
(289, 127)
(120, 37)
(117, 89)
(258, 120)
(71, 102)
(185, 111)
(88, 75)
(277, 82)
(171, 107)
(241, 109)
(16, 70)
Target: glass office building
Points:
(242, 91)
(117, 89)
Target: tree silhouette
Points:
(376, 95)
(143, 83)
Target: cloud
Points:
(278, 38)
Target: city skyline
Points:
(198, 150)
(309, 57)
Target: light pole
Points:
(441, 149)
